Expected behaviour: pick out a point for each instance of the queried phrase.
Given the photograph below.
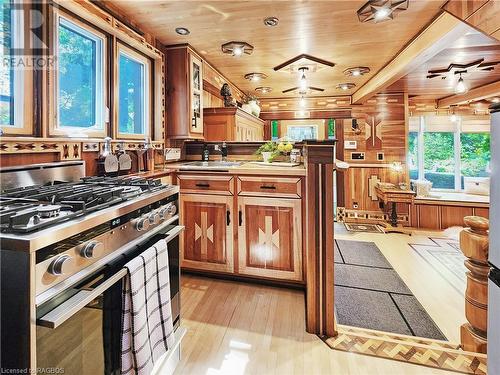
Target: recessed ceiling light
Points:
(356, 71)
(381, 10)
(345, 86)
(237, 48)
(264, 89)
(182, 31)
(271, 21)
(255, 77)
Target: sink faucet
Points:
(223, 150)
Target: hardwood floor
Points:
(240, 328)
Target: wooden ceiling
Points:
(472, 46)
(328, 30)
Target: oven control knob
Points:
(61, 265)
(154, 218)
(168, 210)
(92, 249)
(142, 223)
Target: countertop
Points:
(455, 197)
(245, 168)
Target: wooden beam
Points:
(478, 93)
(433, 39)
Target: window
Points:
(301, 132)
(6, 73)
(439, 159)
(413, 155)
(444, 152)
(81, 80)
(15, 78)
(134, 82)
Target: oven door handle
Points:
(70, 307)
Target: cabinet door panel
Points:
(207, 239)
(270, 241)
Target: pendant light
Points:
(302, 102)
(461, 86)
(303, 79)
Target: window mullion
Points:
(457, 148)
(420, 148)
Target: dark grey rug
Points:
(370, 294)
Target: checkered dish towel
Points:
(147, 327)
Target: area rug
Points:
(445, 256)
(368, 228)
(370, 294)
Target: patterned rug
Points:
(445, 256)
(367, 228)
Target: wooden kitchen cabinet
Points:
(232, 124)
(184, 93)
(270, 237)
(207, 243)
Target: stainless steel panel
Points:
(39, 174)
(494, 253)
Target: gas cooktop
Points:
(32, 208)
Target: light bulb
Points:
(237, 51)
(302, 102)
(255, 78)
(344, 87)
(381, 13)
(461, 86)
(356, 73)
(453, 118)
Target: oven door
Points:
(79, 330)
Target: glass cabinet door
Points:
(196, 107)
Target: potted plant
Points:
(269, 151)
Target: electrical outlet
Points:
(380, 156)
(172, 154)
(355, 205)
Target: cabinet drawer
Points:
(222, 185)
(270, 186)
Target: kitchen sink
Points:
(211, 165)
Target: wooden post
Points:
(474, 245)
(319, 218)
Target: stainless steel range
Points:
(64, 241)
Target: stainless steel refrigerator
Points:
(494, 249)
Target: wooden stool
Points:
(474, 245)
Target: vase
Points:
(266, 156)
(255, 107)
(247, 108)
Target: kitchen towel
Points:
(147, 327)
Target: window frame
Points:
(457, 148)
(149, 105)
(23, 83)
(54, 128)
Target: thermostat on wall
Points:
(350, 145)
